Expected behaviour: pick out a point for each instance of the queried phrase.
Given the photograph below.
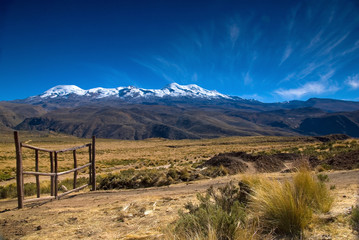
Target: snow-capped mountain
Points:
(171, 90)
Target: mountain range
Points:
(174, 112)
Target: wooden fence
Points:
(54, 174)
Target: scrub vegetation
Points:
(254, 209)
(281, 187)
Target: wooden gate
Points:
(54, 174)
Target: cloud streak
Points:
(316, 88)
(353, 81)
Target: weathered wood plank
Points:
(39, 173)
(35, 148)
(73, 148)
(73, 170)
(73, 190)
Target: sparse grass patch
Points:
(323, 177)
(354, 218)
(133, 178)
(10, 191)
(213, 171)
(7, 173)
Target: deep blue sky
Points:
(267, 50)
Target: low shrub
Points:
(7, 173)
(354, 218)
(214, 171)
(132, 178)
(219, 215)
(136, 179)
(8, 191)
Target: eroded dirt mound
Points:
(232, 161)
(237, 161)
(332, 137)
(344, 161)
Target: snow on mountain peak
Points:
(63, 90)
(171, 90)
(191, 90)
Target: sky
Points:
(271, 51)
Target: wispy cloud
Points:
(316, 88)
(219, 53)
(247, 78)
(327, 76)
(353, 81)
(233, 34)
(296, 59)
(287, 52)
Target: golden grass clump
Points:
(314, 191)
(287, 207)
(277, 207)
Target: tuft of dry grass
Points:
(315, 193)
(277, 207)
(287, 207)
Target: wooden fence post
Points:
(52, 171)
(36, 170)
(93, 163)
(75, 166)
(19, 177)
(56, 177)
(90, 161)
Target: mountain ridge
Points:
(170, 90)
(174, 112)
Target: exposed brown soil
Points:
(332, 137)
(237, 162)
(346, 160)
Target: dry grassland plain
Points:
(144, 213)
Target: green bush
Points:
(132, 178)
(354, 218)
(7, 173)
(8, 191)
(219, 215)
(135, 179)
(213, 171)
(323, 178)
